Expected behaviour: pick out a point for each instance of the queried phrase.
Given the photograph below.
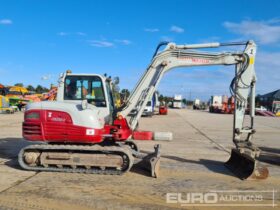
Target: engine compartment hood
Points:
(89, 117)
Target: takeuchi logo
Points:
(195, 60)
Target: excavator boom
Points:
(242, 88)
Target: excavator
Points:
(51, 95)
(82, 131)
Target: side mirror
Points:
(84, 104)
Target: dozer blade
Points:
(151, 162)
(245, 167)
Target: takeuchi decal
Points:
(195, 60)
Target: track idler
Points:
(150, 162)
(245, 167)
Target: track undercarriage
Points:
(94, 159)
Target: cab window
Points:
(88, 88)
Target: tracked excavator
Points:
(83, 132)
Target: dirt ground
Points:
(191, 163)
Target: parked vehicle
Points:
(215, 104)
(149, 109)
(177, 102)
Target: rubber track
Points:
(106, 150)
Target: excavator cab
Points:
(81, 131)
(87, 87)
(95, 90)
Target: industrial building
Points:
(269, 99)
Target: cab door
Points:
(111, 104)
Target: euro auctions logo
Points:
(223, 198)
(185, 198)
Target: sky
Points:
(39, 39)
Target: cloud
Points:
(177, 29)
(45, 77)
(98, 43)
(264, 32)
(104, 43)
(62, 34)
(267, 67)
(81, 33)
(152, 30)
(166, 39)
(123, 41)
(6, 22)
(67, 33)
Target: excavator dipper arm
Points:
(243, 159)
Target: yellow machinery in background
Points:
(5, 106)
(18, 89)
(276, 108)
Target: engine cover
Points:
(62, 122)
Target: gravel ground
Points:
(191, 163)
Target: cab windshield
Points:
(85, 87)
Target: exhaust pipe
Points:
(245, 167)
